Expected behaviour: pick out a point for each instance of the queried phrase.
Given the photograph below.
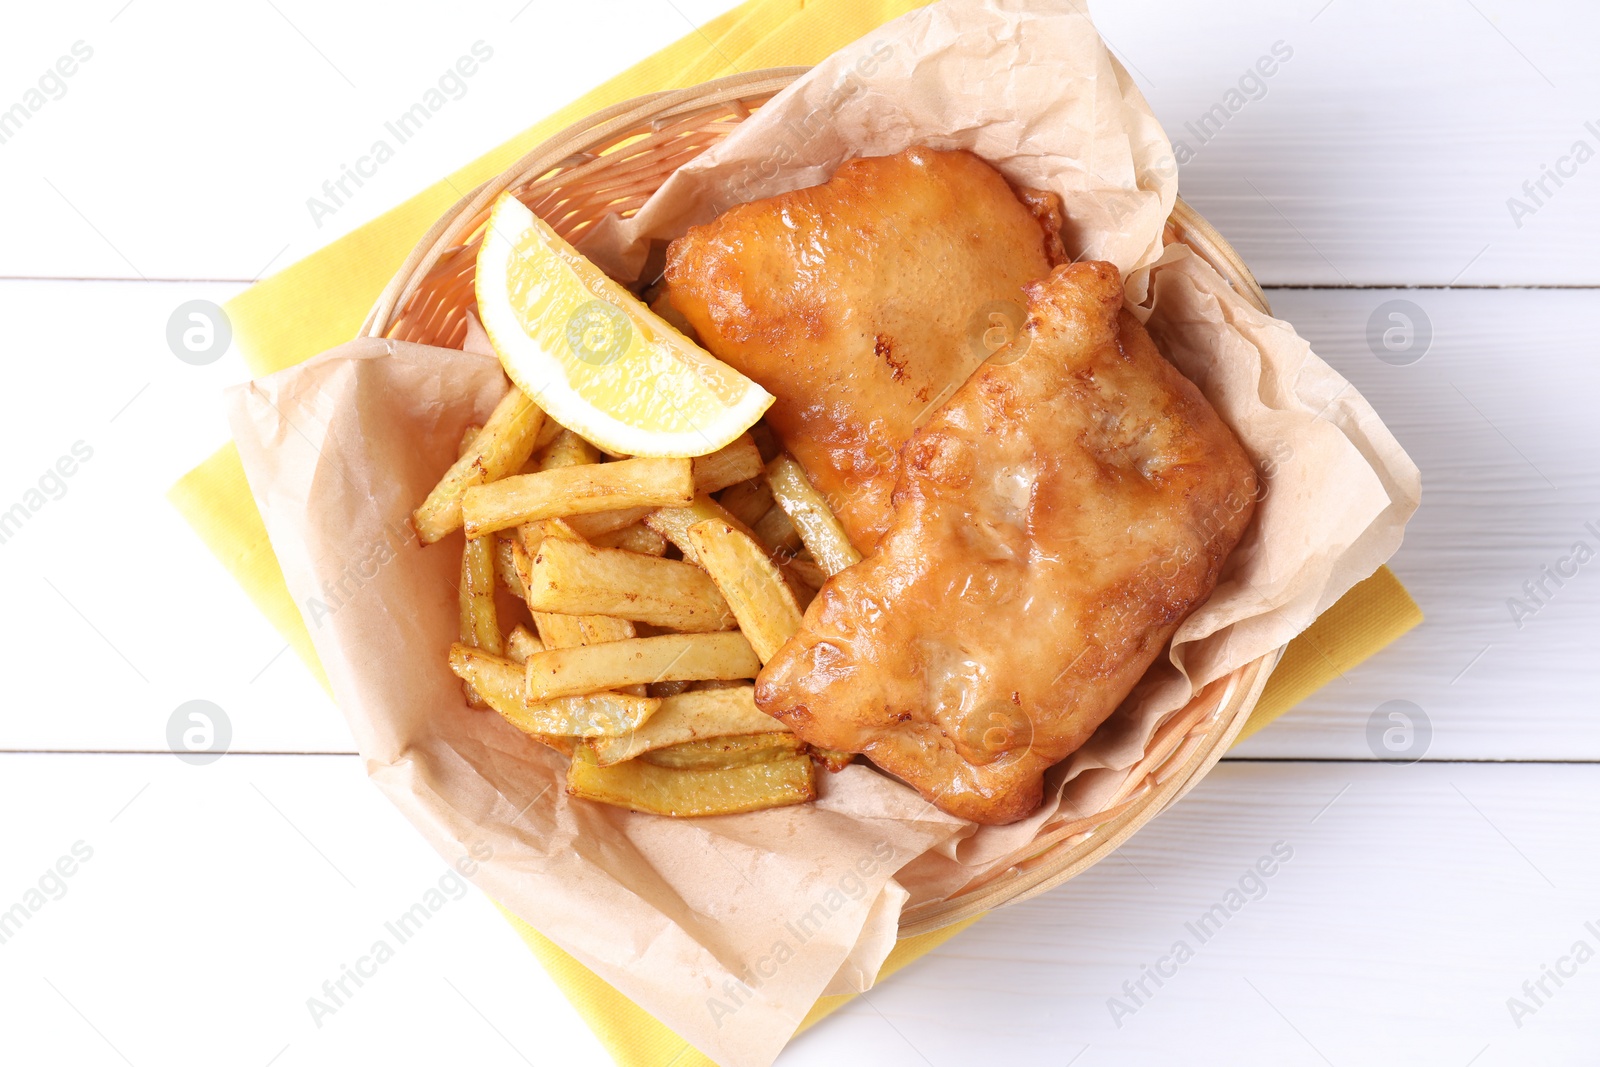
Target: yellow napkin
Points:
(321, 301)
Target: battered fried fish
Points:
(1053, 524)
(861, 304)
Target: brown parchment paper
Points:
(728, 929)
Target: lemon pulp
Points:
(594, 357)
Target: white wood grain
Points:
(1383, 151)
(1413, 908)
(1503, 394)
(189, 144)
(219, 898)
(1498, 416)
(118, 613)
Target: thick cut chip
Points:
(777, 533)
(644, 787)
(748, 501)
(568, 450)
(500, 681)
(480, 624)
(691, 716)
(751, 584)
(557, 630)
(571, 578)
(819, 528)
(739, 462)
(1053, 525)
(500, 448)
(640, 661)
(520, 644)
(636, 538)
(674, 523)
(505, 563)
(577, 490)
(601, 523)
(726, 751)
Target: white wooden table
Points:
(206, 903)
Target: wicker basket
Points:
(612, 162)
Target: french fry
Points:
(480, 626)
(598, 629)
(568, 450)
(750, 582)
(572, 578)
(590, 715)
(579, 490)
(521, 562)
(505, 565)
(735, 463)
(818, 527)
(640, 786)
(475, 667)
(765, 440)
(520, 644)
(479, 622)
(547, 433)
(502, 447)
(725, 751)
(555, 631)
(558, 630)
(777, 533)
(590, 629)
(559, 672)
(748, 501)
(807, 571)
(532, 534)
(501, 683)
(691, 716)
(803, 594)
(636, 538)
(469, 438)
(674, 523)
(604, 522)
(564, 745)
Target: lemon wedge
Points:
(594, 357)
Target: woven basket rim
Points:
(1191, 755)
(619, 116)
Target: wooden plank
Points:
(217, 900)
(119, 614)
(136, 171)
(1415, 899)
(1494, 414)
(1411, 904)
(1382, 151)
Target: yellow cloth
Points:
(320, 302)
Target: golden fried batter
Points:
(1053, 524)
(862, 304)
